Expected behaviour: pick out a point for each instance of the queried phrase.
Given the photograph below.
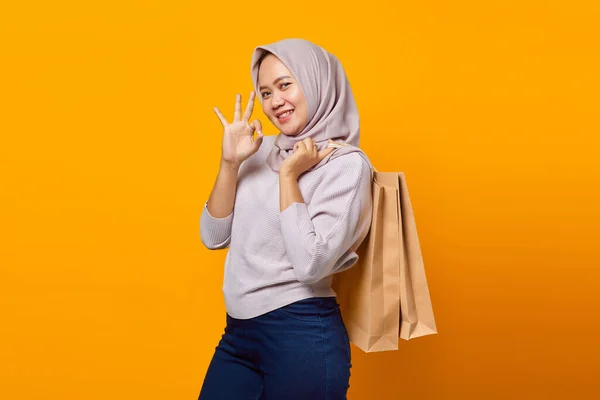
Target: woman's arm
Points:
(289, 190)
(217, 214)
(238, 145)
(222, 197)
(318, 237)
(304, 156)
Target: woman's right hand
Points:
(238, 136)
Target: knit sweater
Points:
(278, 257)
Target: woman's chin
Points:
(288, 129)
(289, 132)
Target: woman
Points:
(292, 210)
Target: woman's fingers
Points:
(325, 152)
(311, 145)
(221, 117)
(238, 108)
(258, 141)
(237, 113)
(256, 126)
(307, 144)
(300, 146)
(259, 127)
(249, 107)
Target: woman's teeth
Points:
(285, 114)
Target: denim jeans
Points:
(297, 352)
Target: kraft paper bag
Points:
(385, 295)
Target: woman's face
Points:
(281, 93)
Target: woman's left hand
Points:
(305, 156)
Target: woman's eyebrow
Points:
(275, 81)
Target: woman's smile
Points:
(282, 97)
(285, 117)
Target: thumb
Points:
(256, 125)
(258, 141)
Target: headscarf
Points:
(331, 109)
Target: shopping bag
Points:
(385, 295)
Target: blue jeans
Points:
(297, 352)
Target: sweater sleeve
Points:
(215, 233)
(320, 237)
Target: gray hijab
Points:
(332, 112)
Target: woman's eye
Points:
(283, 85)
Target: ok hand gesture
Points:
(238, 137)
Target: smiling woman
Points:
(284, 336)
(282, 98)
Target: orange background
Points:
(109, 148)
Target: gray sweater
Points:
(279, 257)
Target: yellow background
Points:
(109, 148)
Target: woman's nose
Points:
(277, 101)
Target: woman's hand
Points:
(305, 156)
(238, 137)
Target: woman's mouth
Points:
(285, 116)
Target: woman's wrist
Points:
(289, 190)
(287, 174)
(230, 166)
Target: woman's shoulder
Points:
(347, 169)
(354, 161)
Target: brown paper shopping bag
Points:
(385, 295)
